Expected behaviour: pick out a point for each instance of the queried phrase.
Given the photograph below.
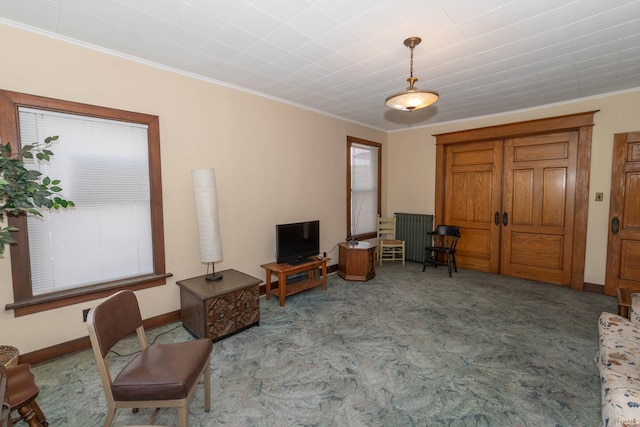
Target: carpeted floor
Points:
(405, 349)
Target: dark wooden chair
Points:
(21, 393)
(442, 250)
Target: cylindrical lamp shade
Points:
(204, 187)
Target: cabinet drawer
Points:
(221, 316)
(248, 306)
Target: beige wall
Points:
(274, 163)
(412, 160)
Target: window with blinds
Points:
(364, 191)
(103, 166)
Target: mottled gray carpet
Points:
(405, 349)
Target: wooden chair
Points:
(624, 300)
(389, 248)
(161, 375)
(442, 250)
(21, 393)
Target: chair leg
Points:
(39, 414)
(28, 416)
(207, 388)
(449, 264)
(455, 265)
(183, 416)
(111, 413)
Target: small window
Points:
(363, 187)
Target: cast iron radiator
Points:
(413, 229)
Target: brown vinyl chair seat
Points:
(162, 371)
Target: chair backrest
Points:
(446, 236)
(386, 227)
(115, 318)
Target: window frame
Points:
(24, 301)
(350, 141)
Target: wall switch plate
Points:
(599, 197)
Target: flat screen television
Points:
(296, 242)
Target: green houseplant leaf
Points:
(24, 190)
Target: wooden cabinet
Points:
(216, 309)
(519, 194)
(357, 263)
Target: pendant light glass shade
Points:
(412, 98)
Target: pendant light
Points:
(412, 98)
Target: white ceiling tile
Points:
(219, 51)
(284, 10)
(108, 10)
(313, 23)
(463, 10)
(167, 10)
(224, 11)
(287, 38)
(194, 20)
(265, 51)
(292, 63)
(236, 37)
(141, 22)
(79, 25)
(184, 37)
(256, 22)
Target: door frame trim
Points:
(580, 122)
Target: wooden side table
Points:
(357, 263)
(219, 308)
(283, 270)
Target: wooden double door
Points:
(519, 199)
(623, 250)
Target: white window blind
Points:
(364, 189)
(103, 166)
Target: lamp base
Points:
(213, 276)
(210, 277)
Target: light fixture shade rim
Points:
(432, 96)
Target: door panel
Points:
(522, 213)
(539, 197)
(554, 197)
(473, 182)
(623, 249)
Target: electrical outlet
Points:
(85, 313)
(599, 197)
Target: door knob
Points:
(496, 218)
(505, 219)
(615, 225)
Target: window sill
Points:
(75, 296)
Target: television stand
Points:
(283, 270)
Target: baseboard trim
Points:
(593, 287)
(80, 344)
